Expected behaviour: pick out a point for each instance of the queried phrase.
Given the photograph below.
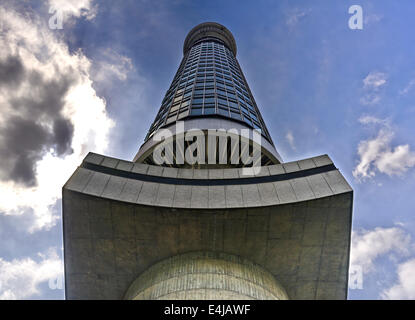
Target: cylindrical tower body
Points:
(206, 276)
(209, 92)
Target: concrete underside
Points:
(206, 275)
(120, 218)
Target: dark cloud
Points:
(36, 124)
(11, 71)
(62, 133)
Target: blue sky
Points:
(320, 86)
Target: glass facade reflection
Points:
(209, 82)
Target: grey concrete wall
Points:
(115, 228)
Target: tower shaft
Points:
(209, 91)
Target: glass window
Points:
(197, 101)
(209, 99)
(256, 125)
(222, 101)
(185, 103)
(231, 95)
(220, 86)
(187, 94)
(221, 92)
(224, 112)
(175, 108)
(174, 104)
(209, 110)
(198, 92)
(236, 115)
(244, 109)
(171, 118)
(247, 120)
(196, 111)
(233, 104)
(183, 114)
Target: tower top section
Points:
(209, 30)
(208, 94)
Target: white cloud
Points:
(75, 8)
(408, 87)
(405, 287)
(370, 151)
(372, 120)
(111, 65)
(20, 278)
(394, 243)
(370, 99)
(368, 245)
(375, 80)
(295, 15)
(290, 138)
(396, 161)
(372, 18)
(44, 63)
(377, 154)
(372, 84)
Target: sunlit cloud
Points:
(369, 245)
(378, 155)
(404, 288)
(110, 65)
(50, 116)
(20, 278)
(75, 8)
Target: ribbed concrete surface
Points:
(206, 276)
(103, 185)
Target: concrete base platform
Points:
(121, 218)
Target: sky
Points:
(94, 81)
